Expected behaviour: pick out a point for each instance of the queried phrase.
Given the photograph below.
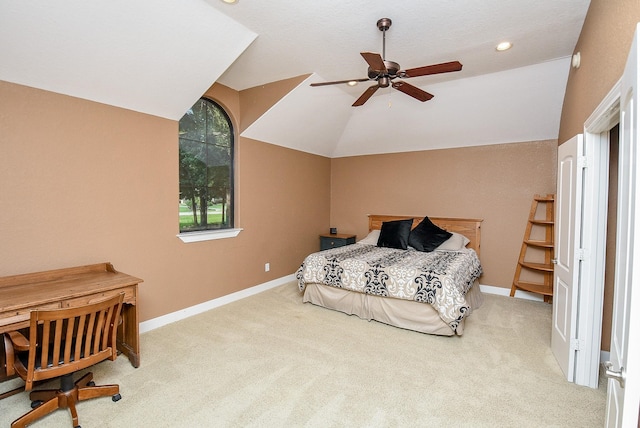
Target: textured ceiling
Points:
(327, 36)
(143, 55)
(158, 57)
(498, 97)
(510, 106)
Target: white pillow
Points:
(371, 238)
(455, 243)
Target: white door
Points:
(567, 265)
(623, 388)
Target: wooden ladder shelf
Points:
(534, 271)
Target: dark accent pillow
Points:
(427, 236)
(395, 234)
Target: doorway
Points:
(610, 260)
(597, 239)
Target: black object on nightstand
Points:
(338, 240)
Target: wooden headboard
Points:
(469, 227)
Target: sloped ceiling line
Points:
(154, 57)
(511, 106)
(158, 57)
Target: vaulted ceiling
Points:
(159, 56)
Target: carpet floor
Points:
(271, 361)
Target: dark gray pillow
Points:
(427, 236)
(395, 234)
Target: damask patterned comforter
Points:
(438, 278)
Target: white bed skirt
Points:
(407, 314)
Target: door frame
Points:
(594, 236)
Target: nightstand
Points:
(328, 241)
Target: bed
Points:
(430, 291)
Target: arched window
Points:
(206, 168)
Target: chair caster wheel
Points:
(36, 403)
(116, 397)
(92, 383)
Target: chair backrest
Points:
(62, 341)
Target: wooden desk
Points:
(64, 288)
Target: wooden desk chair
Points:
(61, 342)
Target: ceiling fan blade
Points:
(445, 67)
(365, 96)
(340, 81)
(375, 61)
(412, 91)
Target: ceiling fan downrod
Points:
(383, 25)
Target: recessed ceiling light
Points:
(230, 1)
(352, 83)
(503, 46)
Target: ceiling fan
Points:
(384, 72)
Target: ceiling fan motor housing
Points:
(392, 70)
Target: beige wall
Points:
(495, 183)
(604, 44)
(84, 183)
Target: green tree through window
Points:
(206, 168)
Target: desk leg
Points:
(3, 372)
(3, 361)
(128, 334)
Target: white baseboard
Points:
(160, 321)
(490, 289)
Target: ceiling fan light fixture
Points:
(504, 46)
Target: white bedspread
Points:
(438, 278)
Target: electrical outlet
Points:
(267, 267)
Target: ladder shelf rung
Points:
(541, 244)
(534, 288)
(542, 222)
(537, 266)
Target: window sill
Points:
(208, 235)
